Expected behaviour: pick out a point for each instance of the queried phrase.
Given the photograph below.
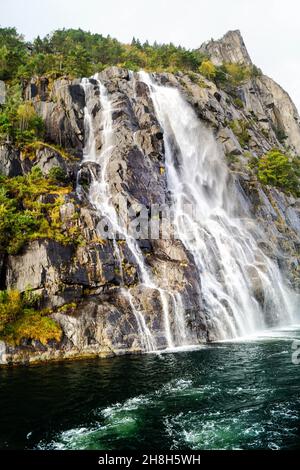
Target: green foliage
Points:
(18, 120)
(78, 62)
(238, 103)
(208, 70)
(57, 175)
(281, 135)
(67, 308)
(241, 130)
(29, 150)
(256, 71)
(13, 52)
(279, 170)
(237, 73)
(24, 217)
(30, 298)
(231, 75)
(77, 53)
(10, 307)
(20, 320)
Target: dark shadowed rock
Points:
(10, 164)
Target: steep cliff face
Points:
(86, 285)
(271, 105)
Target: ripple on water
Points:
(239, 396)
(219, 430)
(120, 419)
(95, 437)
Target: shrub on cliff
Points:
(241, 130)
(279, 170)
(208, 70)
(10, 307)
(20, 320)
(229, 76)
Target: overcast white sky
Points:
(271, 28)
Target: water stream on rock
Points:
(242, 289)
(101, 198)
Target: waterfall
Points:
(146, 337)
(241, 288)
(99, 134)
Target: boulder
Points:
(47, 158)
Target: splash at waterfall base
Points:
(174, 255)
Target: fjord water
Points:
(215, 228)
(224, 396)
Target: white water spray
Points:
(101, 198)
(242, 289)
(147, 340)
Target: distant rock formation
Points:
(230, 49)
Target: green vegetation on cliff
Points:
(241, 130)
(77, 53)
(20, 319)
(24, 213)
(73, 53)
(228, 75)
(279, 170)
(19, 123)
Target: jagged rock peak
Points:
(230, 48)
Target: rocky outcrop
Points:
(84, 284)
(263, 97)
(230, 49)
(280, 111)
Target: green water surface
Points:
(242, 395)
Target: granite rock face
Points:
(84, 285)
(60, 104)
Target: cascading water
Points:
(242, 289)
(147, 340)
(101, 198)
